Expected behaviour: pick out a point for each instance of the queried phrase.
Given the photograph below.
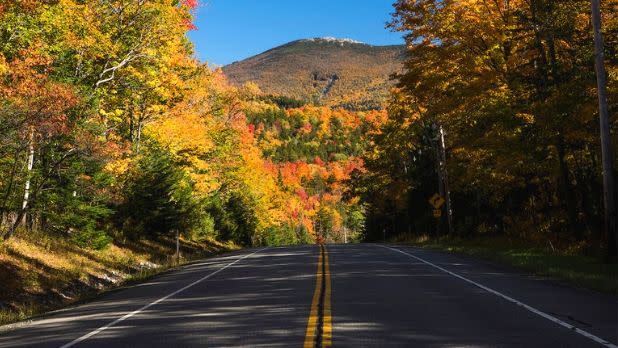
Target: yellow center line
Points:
(327, 336)
(321, 300)
(313, 314)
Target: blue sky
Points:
(230, 30)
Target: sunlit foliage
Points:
(513, 84)
(112, 130)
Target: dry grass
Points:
(39, 273)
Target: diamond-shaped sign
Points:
(436, 201)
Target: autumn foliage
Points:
(112, 131)
(513, 85)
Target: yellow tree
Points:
(510, 82)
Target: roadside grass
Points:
(40, 273)
(576, 269)
(23, 312)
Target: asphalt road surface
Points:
(359, 295)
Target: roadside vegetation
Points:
(39, 273)
(572, 265)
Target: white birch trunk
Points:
(30, 164)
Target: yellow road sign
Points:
(437, 213)
(436, 201)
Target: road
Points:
(361, 295)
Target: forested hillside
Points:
(324, 71)
(111, 131)
(513, 86)
(313, 151)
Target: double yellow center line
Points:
(319, 326)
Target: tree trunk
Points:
(567, 190)
(9, 189)
(541, 66)
(138, 137)
(26, 199)
(21, 217)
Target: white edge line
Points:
(129, 315)
(512, 300)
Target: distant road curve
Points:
(360, 295)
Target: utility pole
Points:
(606, 146)
(440, 176)
(447, 191)
(443, 186)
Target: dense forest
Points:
(111, 130)
(509, 90)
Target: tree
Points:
(158, 200)
(510, 83)
(36, 115)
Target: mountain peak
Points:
(326, 71)
(330, 39)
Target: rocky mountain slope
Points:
(325, 71)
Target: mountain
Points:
(325, 71)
